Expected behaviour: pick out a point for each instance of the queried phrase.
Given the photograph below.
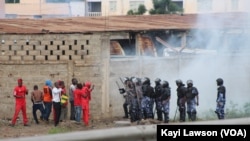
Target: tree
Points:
(140, 11)
(164, 7)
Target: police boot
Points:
(166, 118)
(217, 113)
(182, 116)
(159, 116)
(193, 116)
(189, 115)
(125, 108)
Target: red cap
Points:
(20, 80)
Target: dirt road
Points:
(98, 130)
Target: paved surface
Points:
(135, 133)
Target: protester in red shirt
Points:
(78, 92)
(19, 93)
(86, 97)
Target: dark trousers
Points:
(40, 108)
(57, 112)
(125, 108)
(72, 110)
(182, 110)
(47, 110)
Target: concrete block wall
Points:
(50, 46)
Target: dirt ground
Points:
(44, 128)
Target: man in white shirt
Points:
(71, 98)
(56, 99)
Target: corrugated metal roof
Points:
(124, 23)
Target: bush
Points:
(232, 110)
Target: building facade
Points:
(68, 8)
(44, 8)
(215, 6)
(73, 8)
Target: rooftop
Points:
(124, 23)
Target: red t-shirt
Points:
(87, 91)
(77, 97)
(20, 91)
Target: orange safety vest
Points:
(46, 94)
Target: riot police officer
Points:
(137, 99)
(147, 101)
(221, 99)
(126, 102)
(133, 102)
(157, 97)
(181, 99)
(192, 100)
(165, 100)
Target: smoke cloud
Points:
(230, 61)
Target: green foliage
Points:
(56, 130)
(130, 12)
(233, 110)
(209, 115)
(246, 109)
(164, 7)
(140, 11)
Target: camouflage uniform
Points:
(138, 91)
(165, 100)
(157, 97)
(147, 102)
(133, 102)
(221, 99)
(181, 99)
(192, 93)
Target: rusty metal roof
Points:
(124, 23)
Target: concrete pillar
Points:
(105, 55)
(2, 9)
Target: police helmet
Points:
(219, 81)
(126, 78)
(189, 81)
(178, 81)
(165, 84)
(146, 80)
(157, 80)
(135, 80)
(131, 78)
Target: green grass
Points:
(56, 130)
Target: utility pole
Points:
(40, 8)
(70, 12)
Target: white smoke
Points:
(231, 63)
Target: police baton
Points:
(117, 84)
(122, 82)
(121, 90)
(175, 113)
